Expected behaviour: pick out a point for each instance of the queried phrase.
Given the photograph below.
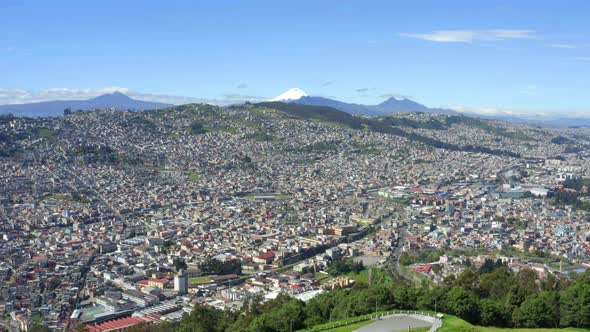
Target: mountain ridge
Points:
(116, 100)
(395, 105)
(390, 105)
(120, 101)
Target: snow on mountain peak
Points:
(291, 94)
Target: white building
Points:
(181, 283)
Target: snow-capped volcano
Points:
(290, 95)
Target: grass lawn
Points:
(450, 324)
(344, 323)
(321, 276)
(59, 197)
(194, 176)
(199, 280)
(354, 326)
(44, 132)
(350, 328)
(455, 324)
(379, 276)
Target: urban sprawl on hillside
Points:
(111, 219)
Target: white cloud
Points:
(479, 110)
(169, 99)
(496, 111)
(237, 98)
(581, 58)
(21, 96)
(468, 36)
(523, 114)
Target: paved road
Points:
(83, 284)
(393, 261)
(394, 324)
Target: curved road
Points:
(393, 261)
(395, 323)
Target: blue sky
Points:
(486, 56)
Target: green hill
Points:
(380, 125)
(455, 324)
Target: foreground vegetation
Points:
(492, 296)
(455, 324)
(349, 328)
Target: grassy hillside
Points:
(450, 324)
(334, 116)
(455, 324)
(354, 327)
(349, 328)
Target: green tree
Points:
(214, 266)
(524, 286)
(493, 313)
(406, 297)
(449, 280)
(468, 280)
(487, 267)
(541, 310)
(433, 299)
(197, 127)
(180, 264)
(206, 319)
(36, 327)
(496, 285)
(462, 303)
(575, 305)
(549, 283)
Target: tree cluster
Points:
(426, 256)
(491, 296)
(215, 266)
(340, 267)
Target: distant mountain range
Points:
(114, 100)
(395, 105)
(121, 101)
(391, 105)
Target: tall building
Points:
(181, 282)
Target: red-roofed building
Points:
(115, 325)
(142, 283)
(265, 258)
(422, 269)
(158, 283)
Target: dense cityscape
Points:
(294, 166)
(115, 219)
